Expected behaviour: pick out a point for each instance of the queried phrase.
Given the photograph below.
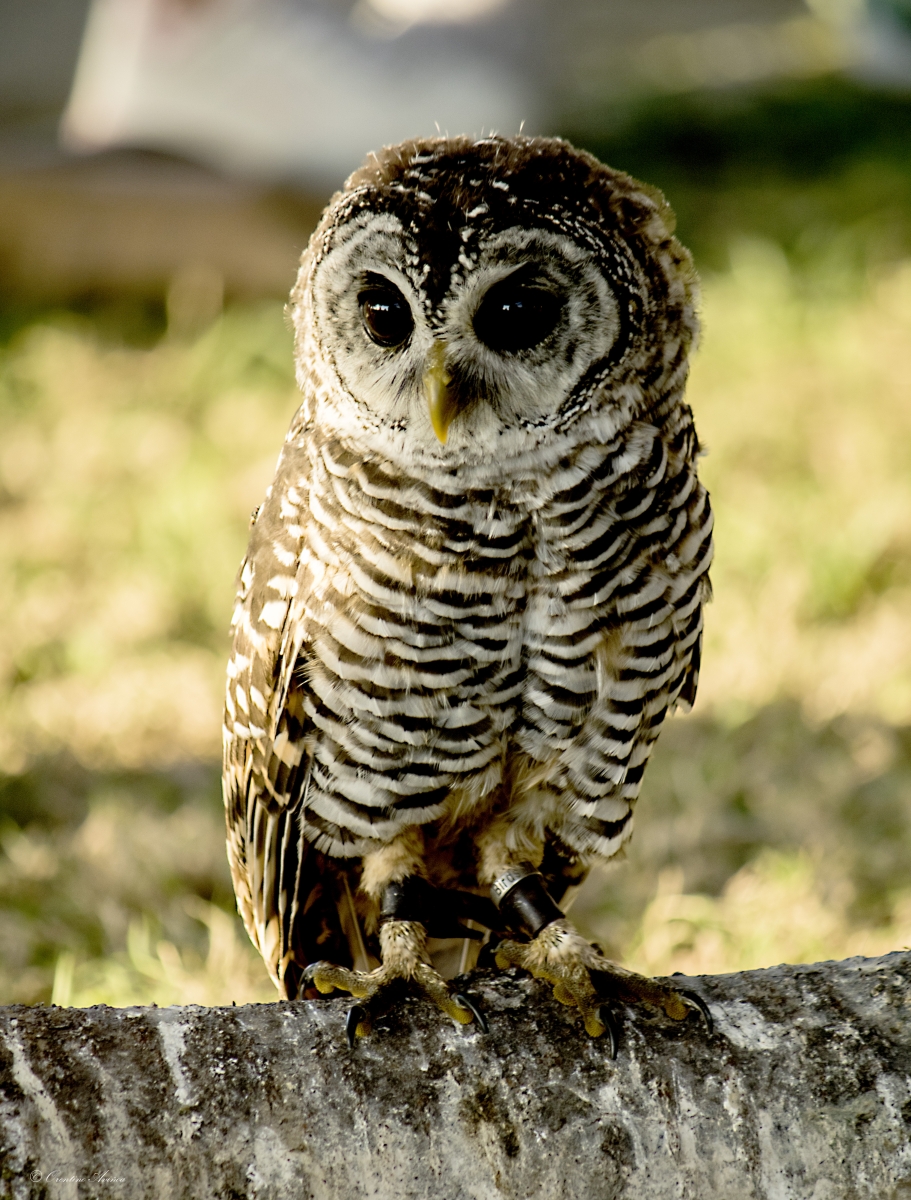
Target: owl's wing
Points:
(287, 891)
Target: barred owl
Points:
(475, 587)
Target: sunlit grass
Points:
(775, 823)
(801, 394)
(155, 971)
(130, 904)
(128, 478)
(773, 910)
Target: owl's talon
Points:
(608, 1022)
(581, 975)
(311, 977)
(488, 952)
(466, 1002)
(696, 1004)
(357, 1024)
(326, 978)
(403, 945)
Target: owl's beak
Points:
(440, 400)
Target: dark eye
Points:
(515, 316)
(386, 315)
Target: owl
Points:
(474, 590)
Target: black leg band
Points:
(524, 901)
(406, 900)
(439, 910)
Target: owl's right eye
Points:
(386, 315)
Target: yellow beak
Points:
(440, 400)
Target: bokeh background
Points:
(161, 165)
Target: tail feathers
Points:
(317, 931)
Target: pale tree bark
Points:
(803, 1091)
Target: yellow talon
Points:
(594, 1027)
(563, 994)
(675, 1008)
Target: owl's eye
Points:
(516, 316)
(386, 315)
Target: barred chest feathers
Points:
(524, 615)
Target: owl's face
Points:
(454, 304)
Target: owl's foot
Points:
(405, 962)
(581, 975)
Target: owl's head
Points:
(465, 300)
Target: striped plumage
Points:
(454, 654)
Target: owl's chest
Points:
(435, 588)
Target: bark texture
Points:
(803, 1091)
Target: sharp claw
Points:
(607, 1021)
(356, 1014)
(308, 975)
(308, 978)
(699, 1005)
(462, 999)
(309, 971)
(488, 952)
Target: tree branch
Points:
(804, 1090)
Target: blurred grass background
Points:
(775, 821)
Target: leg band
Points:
(406, 900)
(523, 899)
(439, 910)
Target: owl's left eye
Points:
(386, 315)
(516, 316)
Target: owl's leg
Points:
(405, 961)
(578, 971)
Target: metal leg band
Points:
(523, 899)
